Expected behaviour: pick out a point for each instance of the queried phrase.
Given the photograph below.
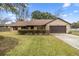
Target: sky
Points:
(66, 11)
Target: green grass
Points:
(75, 33)
(39, 45)
(6, 44)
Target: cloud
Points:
(75, 11)
(64, 15)
(66, 5)
(8, 22)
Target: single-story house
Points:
(53, 26)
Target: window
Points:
(24, 27)
(15, 28)
(32, 27)
(40, 27)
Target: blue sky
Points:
(67, 11)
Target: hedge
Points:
(24, 31)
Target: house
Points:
(53, 26)
(3, 28)
(19, 24)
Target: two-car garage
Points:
(57, 29)
(58, 26)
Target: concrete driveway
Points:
(70, 39)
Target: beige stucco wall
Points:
(19, 28)
(58, 23)
(35, 28)
(11, 28)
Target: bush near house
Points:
(70, 32)
(24, 31)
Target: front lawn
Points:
(6, 44)
(39, 45)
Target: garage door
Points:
(58, 29)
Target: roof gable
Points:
(59, 19)
(64, 21)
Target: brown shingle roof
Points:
(38, 22)
(33, 22)
(19, 23)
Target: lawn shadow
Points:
(6, 44)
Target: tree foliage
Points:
(75, 24)
(19, 9)
(42, 15)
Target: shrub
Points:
(70, 32)
(22, 32)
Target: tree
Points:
(75, 24)
(19, 9)
(42, 15)
(36, 14)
